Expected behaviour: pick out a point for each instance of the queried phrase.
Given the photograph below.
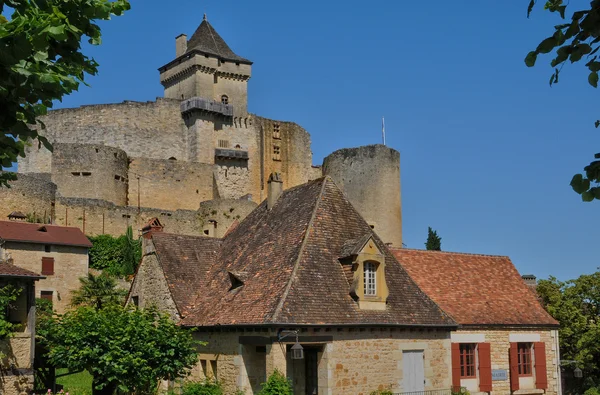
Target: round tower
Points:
(90, 171)
(370, 178)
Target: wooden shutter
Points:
(46, 295)
(485, 367)
(541, 378)
(514, 367)
(47, 265)
(456, 365)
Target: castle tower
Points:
(207, 70)
(370, 178)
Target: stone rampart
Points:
(169, 184)
(29, 194)
(90, 171)
(141, 129)
(370, 178)
(96, 217)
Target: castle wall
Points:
(142, 129)
(169, 184)
(95, 217)
(90, 171)
(236, 91)
(370, 178)
(29, 194)
(218, 215)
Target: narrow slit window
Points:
(370, 280)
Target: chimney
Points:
(530, 280)
(274, 189)
(152, 226)
(180, 45)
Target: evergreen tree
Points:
(434, 242)
(98, 292)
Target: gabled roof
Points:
(26, 232)
(10, 270)
(206, 40)
(475, 289)
(290, 259)
(185, 261)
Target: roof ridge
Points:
(300, 253)
(449, 252)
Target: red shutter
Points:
(514, 367)
(47, 265)
(456, 365)
(485, 367)
(541, 375)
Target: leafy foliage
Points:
(382, 392)
(41, 61)
(8, 294)
(576, 305)
(207, 387)
(434, 242)
(98, 292)
(115, 255)
(571, 41)
(277, 384)
(122, 348)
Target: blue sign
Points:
(499, 374)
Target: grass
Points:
(75, 383)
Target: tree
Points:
(123, 348)
(572, 41)
(115, 255)
(576, 305)
(434, 242)
(97, 292)
(40, 62)
(8, 294)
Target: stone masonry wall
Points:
(70, 263)
(95, 217)
(500, 344)
(31, 193)
(90, 171)
(356, 362)
(17, 351)
(169, 184)
(141, 129)
(218, 215)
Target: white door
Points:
(414, 371)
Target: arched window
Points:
(224, 99)
(370, 269)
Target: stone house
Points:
(506, 342)
(303, 270)
(59, 253)
(17, 351)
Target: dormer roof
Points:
(206, 40)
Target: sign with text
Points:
(499, 374)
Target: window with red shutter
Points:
(514, 367)
(467, 361)
(541, 374)
(47, 266)
(485, 367)
(524, 359)
(46, 295)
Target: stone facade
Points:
(70, 263)
(29, 194)
(500, 343)
(349, 361)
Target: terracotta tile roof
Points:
(10, 270)
(185, 260)
(289, 257)
(42, 234)
(475, 289)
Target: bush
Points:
(277, 384)
(592, 391)
(207, 387)
(382, 392)
(116, 255)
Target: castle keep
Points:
(195, 159)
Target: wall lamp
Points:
(297, 349)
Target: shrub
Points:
(116, 255)
(592, 391)
(382, 392)
(206, 387)
(277, 384)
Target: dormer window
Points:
(370, 279)
(225, 99)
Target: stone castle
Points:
(195, 159)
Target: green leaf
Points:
(561, 10)
(547, 45)
(587, 196)
(580, 184)
(531, 58)
(530, 7)
(554, 77)
(597, 123)
(593, 79)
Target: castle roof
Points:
(206, 40)
(476, 290)
(282, 266)
(26, 232)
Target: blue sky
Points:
(487, 147)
